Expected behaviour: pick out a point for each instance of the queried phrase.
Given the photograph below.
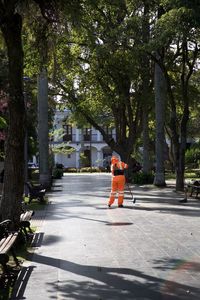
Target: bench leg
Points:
(30, 199)
(24, 226)
(41, 198)
(193, 190)
(25, 233)
(4, 258)
(197, 193)
(185, 199)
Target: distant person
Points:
(118, 181)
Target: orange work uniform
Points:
(118, 181)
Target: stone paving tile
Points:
(147, 251)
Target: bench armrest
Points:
(5, 223)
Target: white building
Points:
(87, 140)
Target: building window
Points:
(86, 134)
(108, 131)
(67, 131)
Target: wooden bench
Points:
(35, 192)
(194, 187)
(25, 224)
(190, 189)
(7, 242)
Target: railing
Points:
(86, 138)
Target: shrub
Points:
(192, 155)
(70, 170)
(197, 173)
(57, 173)
(102, 169)
(143, 178)
(35, 175)
(90, 170)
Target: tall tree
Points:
(160, 110)
(178, 31)
(146, 89)
(11, 27)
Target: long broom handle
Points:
(129, 190)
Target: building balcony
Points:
(74, 138)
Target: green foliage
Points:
(3, 123)
(197, 174)
(35, 205)
(34, 175)
(84, 161)
(192, 155)
(143, 178)
(70, 170)
(4, 68)
(191, 7)
(97, 65)
(63, 148)
(91, 170)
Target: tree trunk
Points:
(14, 151)
(146, 143)
(146, 93)
(183, 139)
(43, 129)
(160, 100)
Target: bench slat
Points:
(26, 216)
(6, 243)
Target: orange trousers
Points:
(117, 186)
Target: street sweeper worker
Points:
(118, 181)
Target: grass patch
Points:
(169, 175)
(35, 204)
(189, 174)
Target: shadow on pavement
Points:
(170, 210)
(119, 223)
(141, 205)
(21, 283)
(37, 239)
(55, 190)
(108, 283)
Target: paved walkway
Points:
(83, 250)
